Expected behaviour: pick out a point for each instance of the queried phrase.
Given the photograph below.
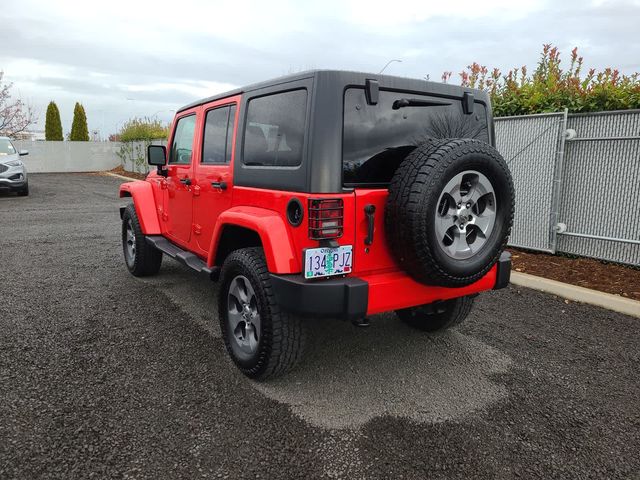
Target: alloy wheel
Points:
(466, 214)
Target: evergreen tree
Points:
(53, 125)
(79, 129)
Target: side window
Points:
(181, 148)
(218, 134)
(274, 129)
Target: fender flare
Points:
(144, 203)
(270, 227)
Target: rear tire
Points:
(261, 339)
(437, 316)
(141, 258)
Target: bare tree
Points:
(15, 115)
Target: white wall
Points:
(47, 157)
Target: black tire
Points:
(281, 337)
(437, 316)
(145, 259)
(414, 195)
(24, 191)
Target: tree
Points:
(15, 115)
(53, 125)
(79, 129)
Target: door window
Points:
(218, 135)
(182, 146)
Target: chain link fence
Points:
(577, 181)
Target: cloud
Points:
(161, 56)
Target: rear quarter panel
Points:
(284, 246)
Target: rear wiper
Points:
(414, 102)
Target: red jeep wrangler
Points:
(327, 194)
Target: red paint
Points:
(143, 195)
(396, 290)
(377, 256)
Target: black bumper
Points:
(503, 273)
(345, 298)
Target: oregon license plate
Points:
(324, 262)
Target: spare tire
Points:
(449, 211)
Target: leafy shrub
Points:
(140, 129)
(550, 88)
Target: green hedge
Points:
(552, 89)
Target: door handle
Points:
(220, 185)
(186, 181)
(370, 211)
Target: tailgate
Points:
(373, 257)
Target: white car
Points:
(13, 173)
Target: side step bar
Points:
(183, 256)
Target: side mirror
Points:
(157, 156)
(22, 153)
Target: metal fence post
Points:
(556, 198)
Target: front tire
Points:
(24, 191)
(438, 316)
(141, 258)
(261, 339)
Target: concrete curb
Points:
(128, 179)
(578, 294)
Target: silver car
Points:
(13, 173)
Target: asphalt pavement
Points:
(103, 375)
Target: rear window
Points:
(378, 137)
(274, 129)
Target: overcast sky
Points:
(139, 58)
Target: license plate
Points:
(325, 262)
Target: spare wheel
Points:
(449, 211)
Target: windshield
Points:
(378, 137)
(6, 147)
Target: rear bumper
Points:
(352, 298)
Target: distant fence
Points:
(577, 181)
(133, 155)
(45, 157)
(51, 157)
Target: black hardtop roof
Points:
(345, 77)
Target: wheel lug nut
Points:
(468, 205)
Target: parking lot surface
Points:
(103, 375)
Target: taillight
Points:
(325, 218)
